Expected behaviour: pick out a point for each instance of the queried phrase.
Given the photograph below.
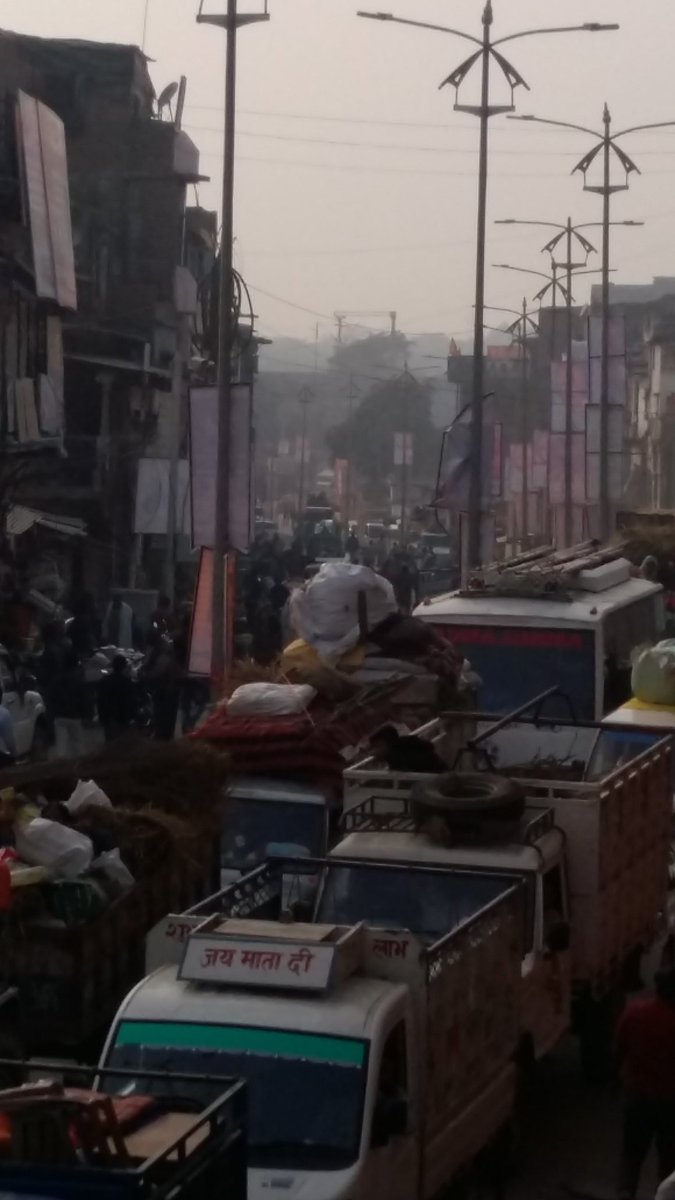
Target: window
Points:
(553, 898)
(390, 1115)
(394, 1067)
(320, 1129)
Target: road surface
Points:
(570, 1134)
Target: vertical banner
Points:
(454, 476)
(403, 449)
(617, 395)
(201, 630)
(203, 460)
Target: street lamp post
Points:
(519, 330)
(487, 51)
(231, 22)
(305, 397)
(571, 233)
(605, 143)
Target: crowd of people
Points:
(272, 570)
(143, 687)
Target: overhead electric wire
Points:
(366, 168)
(391, 146)
(370, 121)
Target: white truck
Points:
(377, 1065)
(593, 846)
(572, 617)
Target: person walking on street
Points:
(72, 708)
(162, 674)
(645, 1043)
(117, 703)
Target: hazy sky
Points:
(356, 180)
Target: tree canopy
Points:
(366, 439)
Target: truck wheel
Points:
(469, 794)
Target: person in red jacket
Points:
(645, 1043)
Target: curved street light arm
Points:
(561, 124)
(589, 27)
(379, 16)
(515, 221)
(639, 128)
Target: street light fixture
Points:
(486, 52)
(231, 21)
(553, 284)
(605, 142)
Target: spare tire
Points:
(472, 795)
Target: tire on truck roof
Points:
(462, 797)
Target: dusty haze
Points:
(387, 221)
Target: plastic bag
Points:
(270, 699)
(325, 612)
(87, 792)
(653, 674)
(43, 843)
(110, 864)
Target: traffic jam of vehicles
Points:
(323, 945)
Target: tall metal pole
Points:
(351, 396)
(569, 381)
(230, 22)
(525, 426)
(476, 439)
(304, 399)
(219, 651)
(605, 500)
(406, 438)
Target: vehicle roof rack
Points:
(271, 956)
(547, 573)
(534, 823)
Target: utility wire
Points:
(384, 123)
(397, 146)
(365, 168)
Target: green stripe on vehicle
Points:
(240, 1039)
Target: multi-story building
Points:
(129, 170)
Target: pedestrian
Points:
(645, 1043)
(117, 700)
(118, 624)
(163, 676)
(7, 738)
(73, 708)
(163, 618)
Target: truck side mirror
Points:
(390, 1120)
(558, 938)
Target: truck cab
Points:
(331, 1026)
(535, 854)
(268, 817)
(572, 618)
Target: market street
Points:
(570, 1136)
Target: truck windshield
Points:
(255, 829)
(516, 663)
(429, 904)
(305, 1090)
